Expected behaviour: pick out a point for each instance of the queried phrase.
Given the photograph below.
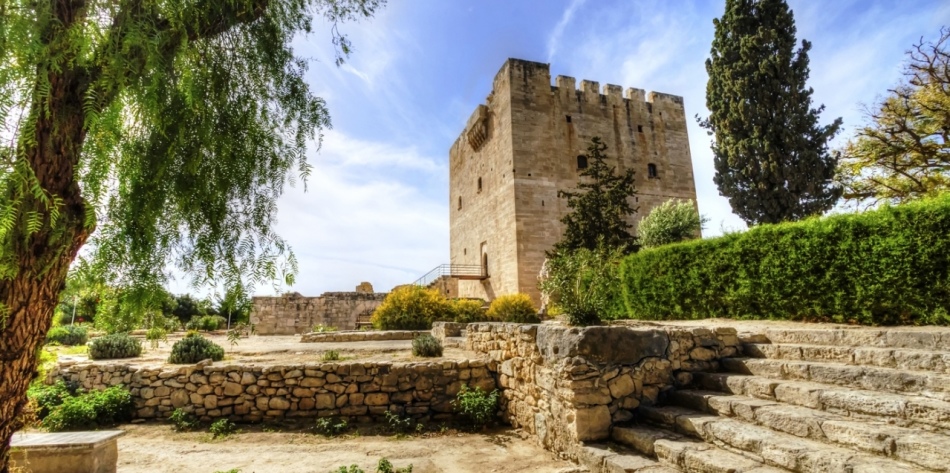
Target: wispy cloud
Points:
(554, 40)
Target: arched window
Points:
(582, 162)
(651, 171)
(479, 184)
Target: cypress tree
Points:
(771, 155)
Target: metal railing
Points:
(468, 271)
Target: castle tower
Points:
(530, 140)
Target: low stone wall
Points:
(361, 392)
(294, 314)
(361, 336)
(443, 330)
(568, 385)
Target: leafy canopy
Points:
(180, 121)
(770, 154)
(600, 206)
(670, 222)
(903, 153)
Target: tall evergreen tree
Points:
(600, 205)
(159, 131)
(771, 155)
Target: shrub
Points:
(585, 285)
(468, 310)
(426, 346)
(330, 355)
(476, 405)
(183, 421)
(155, 335)
(206, 323)
(67, 335)
(195, 348)
(398, 423)
(384, 466)
(513, 308)
(116, 345)
(222, 428)
(411, 308)
(90, 410)
(887, 266)
(48, 397)
(670, 222)
(330, 427)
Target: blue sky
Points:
(376, 208)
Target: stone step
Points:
(686, 454)
(918, 338)
(601, 458)
(931, 385)
(926, 449)
(899, 358)
(902, 409)
(775, 449)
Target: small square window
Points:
(582, 162)
(639, 128)
(651, 171)
(568, 118)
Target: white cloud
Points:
(554, 40)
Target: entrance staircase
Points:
(801, 400)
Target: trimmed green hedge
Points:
(887, 266)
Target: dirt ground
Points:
(155, 448)
(284, 349)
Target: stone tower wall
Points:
(530, 150)
(293, 313)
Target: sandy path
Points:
(154, 448)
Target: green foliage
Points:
(882, 267)
(427, 346)
(330, 355)
(239, 331)
(468, 310)
(48, 397)
(183, 421)
(330, 427)
(68, 335)
(46, 360)
(222, 428)
(384, 466)
(903, 152)
(187, 307)
(476, 405)
(116, 345)
(235, 305)
(398, 423)
(90, 410)
(585, 284)
(670, 222)
(770, 154)
(411, 307)
(194, 348)
(232, 470)
(155, 335)
(516, 308)
(206, 323)
(600, 206)
(320, 328)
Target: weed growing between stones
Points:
(222, 428)
(477, 406)
(183, 421)
(384, 466)
(331, 355)
(426, 346)
(399, 424)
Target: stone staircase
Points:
(801, 400)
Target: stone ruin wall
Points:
(568, 385)
(292, 314)
(360, 392)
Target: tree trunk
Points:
(41, 258)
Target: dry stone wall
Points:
(361, 336)
(362, 392)
(295, 314)
(568, 385)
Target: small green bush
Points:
(585, 284)
(90, 410)
(881, 267)
(468, 310)
(384, 466)
(670, 222)
(330, 355)
(398, 423)
(427, 346)
(516, 308)
(116, 345)
(48, 397)
(194, 348)
(183, 421)
(222, 428)
(330, 427)
(411, 308)
(206, 323)
(67, 335)
(476, 405)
